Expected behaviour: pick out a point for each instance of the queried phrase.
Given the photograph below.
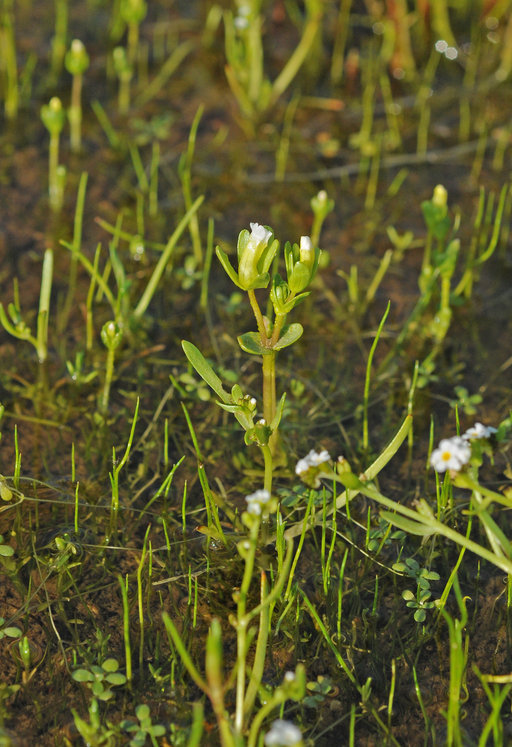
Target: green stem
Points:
(103, 406)
(241, 627)
(278, 324)
(53, 181)
(261, 649)
(269, 386)
(259, 317)
(267, 480)
(75, 113)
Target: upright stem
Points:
(269, 386)
(241, 631)
(259, 316)
(267, 456)
(75, 113)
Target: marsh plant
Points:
(293, 528)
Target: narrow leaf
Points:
(203, 368)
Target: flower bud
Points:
(53, 116)
(133, 11)
(306, 251)
(111, 335)
(251, 253)
(77, 59)
(440, 196)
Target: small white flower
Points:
(283, 734)
(254, 508)
(452, 454)
(289, 676)
(478, 430)
(256, 501)
(302, 466)
(318, 458)
(259, 234)
(306, 251)
(313, 459)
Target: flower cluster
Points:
(283, 734)
(454, 453)
(256, 501)
(309, 468)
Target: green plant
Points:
(143, 729)
(16, 326)
(245, 72)
(54, 117)
(100, 678)
(77, 62)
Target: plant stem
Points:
(241, 629)
(259, 317)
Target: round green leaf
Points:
(116, 678)
(110, 665)
(82, 675)
(142, 711)
(420, 615)
(6, 551)
(291, 335)
(250, 343)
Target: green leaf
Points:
(142, 711)
(250, 342)
(12, 632)
(6, 551)
(82, 675)
(408, 595)
(412, 527)
(203, 368)
(110, 665)
(228, 267)
(291, 335)
(274, 425)
(420, 615)
(116, 678)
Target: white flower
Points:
(289, 676)
(283, 734)
(302, 466)
(306, 251)
(451, 454)
(313, 459)
(259, 234)
(320, 458)
(256, 501)
(478, 430)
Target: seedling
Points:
(54, 117)
(77, 62)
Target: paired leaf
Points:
(290, 335)
(250, 342)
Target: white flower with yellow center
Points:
(451, 454)
(478, 430)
